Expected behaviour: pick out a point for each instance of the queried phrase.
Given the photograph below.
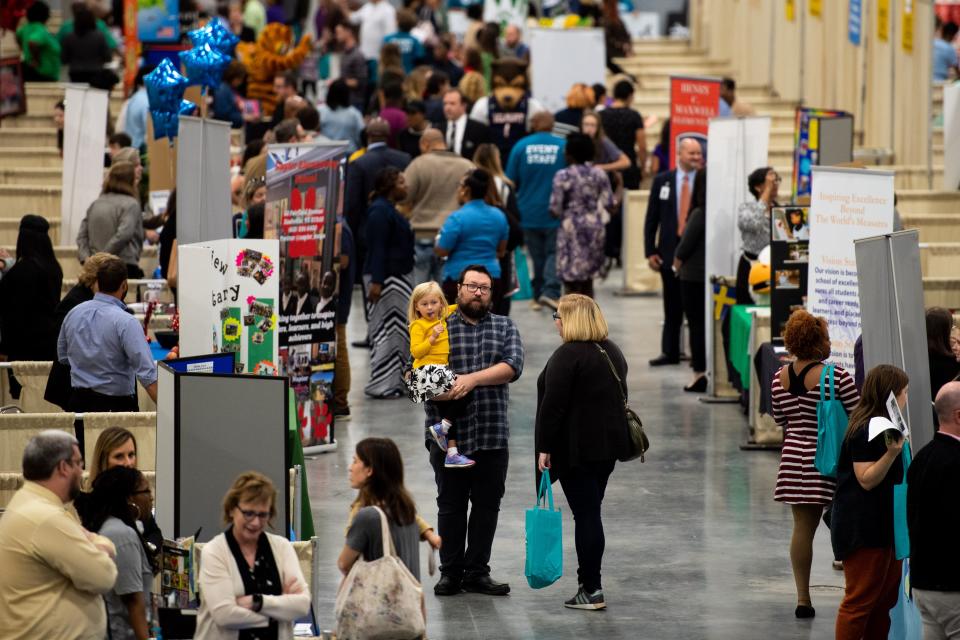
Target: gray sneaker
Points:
(547, 301)
(583, 600)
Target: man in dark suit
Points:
(462, 134)
(361, 174)
(667, 212)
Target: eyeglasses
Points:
(474, 288)
(556, 316)
(250, 515)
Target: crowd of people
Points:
(437, 200)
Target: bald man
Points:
(433, 179)
(667, 212)
(933, 493)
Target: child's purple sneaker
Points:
(458, 461)
(436, 432)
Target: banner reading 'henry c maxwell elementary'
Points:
(845, 205)
(693, 101)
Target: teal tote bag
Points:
(544, 529)
(831, 426)
(901, 535)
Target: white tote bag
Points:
(380, 600)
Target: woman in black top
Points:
(943, 363)
(689, 264)
(581, 429)
(29, 293)
(388, 274)
(861, 527)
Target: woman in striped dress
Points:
(796, 391)
(388, 275)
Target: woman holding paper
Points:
(795, 394)
(862, 521)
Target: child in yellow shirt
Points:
(431, 376)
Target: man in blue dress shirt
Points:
(106, 348)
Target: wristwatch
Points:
(257, 602)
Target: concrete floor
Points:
(696, 546)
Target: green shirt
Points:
(102, 27)
(48, 60)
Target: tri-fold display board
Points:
(211, 427)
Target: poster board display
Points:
(951, 132)
(806, 145)
(789, 261)
(203, 180)
(693, 102)
(85, 120)
(305, 185)
(211, 428)
(158, 21)
(230, 302)
(560, 57)
(845, 205)
(737, 147)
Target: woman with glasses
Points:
(251, 584)
(476, 233)
(388, 275)
(753, 220)
(581, 429)
(116, 508)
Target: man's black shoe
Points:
(447, 586)
(361, 344)
(483, 584)
(663, 359)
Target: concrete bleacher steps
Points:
(50, 176)
(9, 227)
(28, 137)
(921, 201)
(20, 157)
(42, 97)
(934, 227)
(43, 200)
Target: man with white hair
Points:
(54, 571)
(933, 518)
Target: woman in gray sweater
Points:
(689, 263)
(114, 222)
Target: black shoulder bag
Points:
(639, 443)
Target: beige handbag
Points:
(380, 599)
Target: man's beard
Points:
(474, 308)
(75, 490)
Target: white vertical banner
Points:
(505, 12)
(845, 205)
(203, 180)
(951, 136)
(737, 146)
(560, 57)
(84, 127)
(231, 301)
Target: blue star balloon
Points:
(204, 65)
(217, 36)
(166, 124)
(165, 87)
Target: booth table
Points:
(749, 329)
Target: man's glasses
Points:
(250, 515)
(475, 288)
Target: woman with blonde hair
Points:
(250, 580)
(472, 86)
(114, 221)
(581, 429)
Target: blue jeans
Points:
(427, 265)
(542, 247)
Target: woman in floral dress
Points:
(582, 200)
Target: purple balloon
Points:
(165, 86)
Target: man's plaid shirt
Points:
(472, 348)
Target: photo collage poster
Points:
(789, 259)
(305, 185)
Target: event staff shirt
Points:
(411, 49)
(51, 575)
(105, 348)
(533, 163)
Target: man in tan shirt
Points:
(433, 179)
(52, 570)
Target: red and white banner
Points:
(693, 101)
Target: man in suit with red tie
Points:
(667, 212)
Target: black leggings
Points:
(691, 294)
(584, 487)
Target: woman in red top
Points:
(796, 391)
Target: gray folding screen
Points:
(203, 181)
(210, 428)
(892, 319)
